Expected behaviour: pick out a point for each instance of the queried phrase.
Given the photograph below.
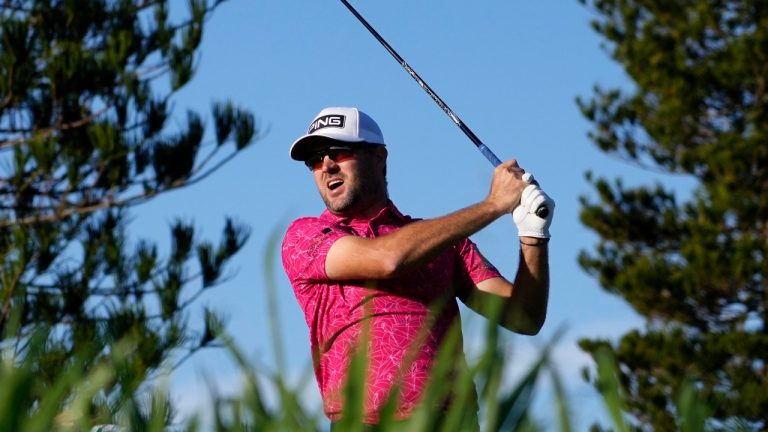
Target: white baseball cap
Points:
(344, 124)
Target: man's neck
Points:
(366, 212)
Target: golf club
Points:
(542, 211)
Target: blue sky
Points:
(510, 69)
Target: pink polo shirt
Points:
(396, 309)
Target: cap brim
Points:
(307, 145)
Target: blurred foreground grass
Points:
(267, 402)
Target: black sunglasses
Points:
(335, 153)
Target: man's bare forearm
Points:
(417, 243)
(531, 286)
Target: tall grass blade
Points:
(357, 380)
(42, 419)
(252, 397)
(15, 392)
(452, 381)
(692, 410)
(292, 415)
(610, 388)
(489, 370)
(270, 254)
(561, 399)
(514, 407)
(161, 411)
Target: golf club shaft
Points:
(541, 211)
(483, 148)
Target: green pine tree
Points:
(694, 267)
(85, 93)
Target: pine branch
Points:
(47, 132)
(14, 7)
(112, 202)
(10, 287)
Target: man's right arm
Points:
(418, 243)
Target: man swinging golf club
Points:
(363, 262)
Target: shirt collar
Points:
(388, 212)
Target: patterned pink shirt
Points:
(397, 308)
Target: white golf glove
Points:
(528, 223)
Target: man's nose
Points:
(329, 165)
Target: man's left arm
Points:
(521, 306)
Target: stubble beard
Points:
(357, 197)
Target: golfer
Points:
(363, 262)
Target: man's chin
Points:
(339, 207)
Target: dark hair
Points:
(370, 148)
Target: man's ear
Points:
(381, 152)
(381, 158)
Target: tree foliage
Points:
(695, 268)
(86, 91)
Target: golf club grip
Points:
(542, 211)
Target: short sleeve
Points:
(473, 266)
(305, 247)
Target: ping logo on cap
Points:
(330, 120)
